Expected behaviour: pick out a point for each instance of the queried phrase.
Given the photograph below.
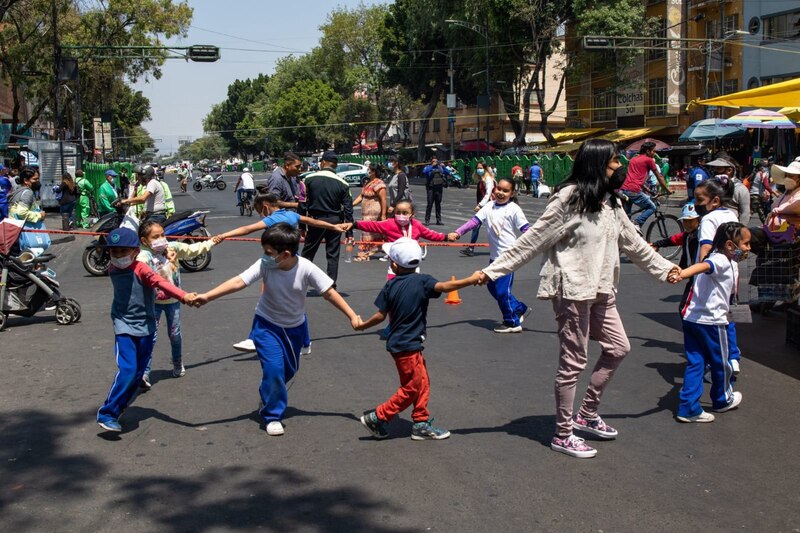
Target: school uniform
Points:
(705, 335)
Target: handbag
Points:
(30, 241)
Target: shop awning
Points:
(629, 134)
(572, 134)
(783, 94)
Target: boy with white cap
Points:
(405, 300)
(687, 240)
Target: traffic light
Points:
(203, 53)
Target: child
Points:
(502, 217)
(705, 324)
(405, 299)
(403, 224)
(267, 206)
(279, 325)
(162, 256)
(688, 242)
(134, 316)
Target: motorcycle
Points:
(454, 180)
(209, 182)
(96, 258)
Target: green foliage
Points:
(207, 147)
(225, 117)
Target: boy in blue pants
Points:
(133, 314)
(279, 329)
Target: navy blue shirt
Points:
(405, 300)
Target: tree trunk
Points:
(427, 112)
(545, 113)
(526, 109)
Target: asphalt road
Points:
(193, 456)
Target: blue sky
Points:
(186, 91)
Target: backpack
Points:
(437, 178)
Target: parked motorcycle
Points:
(96, 258)
(209, 182)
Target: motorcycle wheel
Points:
(221, 185)
(197, 186)
(201, 262)
(95, 261)
(3, 321)
(65, 313)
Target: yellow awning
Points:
(618, 136)
(571, 135)
(792, 113)
(783, 94)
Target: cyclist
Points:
(635, 180)
(183, 175)
(245, 186)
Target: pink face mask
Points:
(403, 220)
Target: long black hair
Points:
(721, 188)
(513, 188)
(589, 175)
(728, 231)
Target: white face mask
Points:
(159, 245)
(122, 262)
(790, 184)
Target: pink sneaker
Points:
(574, 446)
(595, 426)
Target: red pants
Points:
(415, 388)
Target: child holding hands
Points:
(405, 300)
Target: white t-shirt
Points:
(283, 299)
(247, 182)
(502, 221)
(710, 298)
(709, 225)
(155, 202)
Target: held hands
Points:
(217, 238)
(675, 275)
(453, 236)
(344, 226)
(191, 299)
(479, 278)
(357, 323)
(477, 208)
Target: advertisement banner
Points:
(676, 76)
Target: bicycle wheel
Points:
(241, 207)
(663, 227)
(249, 208)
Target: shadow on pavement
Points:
(671, 320)
(671, 373)
(672, 347)
(540, 428)
(764, 341)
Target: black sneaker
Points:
(469, 251)
(425, 431)
(374, 425)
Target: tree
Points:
(206, 147)
(225, 117)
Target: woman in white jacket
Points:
(581, 234)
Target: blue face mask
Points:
(269, 262)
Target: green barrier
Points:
(95, 173)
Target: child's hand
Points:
(675, 275)
(357, 323)
(344, 226)
(653, 246)
(190, 298)
(453, 236)
(479, 277)
(217, 239)
(200, 300)
(171, 255)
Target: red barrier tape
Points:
(248, 239)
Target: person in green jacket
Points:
(107, 194)
(84, 207)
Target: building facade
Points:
(771, 52)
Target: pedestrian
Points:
(67, 196)
(124, 183)
(398, 187)
(83, 209)
(328, 200)
(5, 191)
(761, 191)
(151, 197)
(582, 232)
(687, 240)
(23, 203)
(517, 175)
(282, 181)
(373, 208)
(526, 179)
(483, 193)
(502, 217)
(633, 187)
(107, 194)
(279, 323)
(705, 321)
(435, 179)
(738, 201)
(404, 299)
(697, 174)
(133, 315)
(537, 175)
(183, 176)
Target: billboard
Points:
(676, 75)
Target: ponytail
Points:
(728, 231)
(720, 187)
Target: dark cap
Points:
(330, 156)
(702, 152)
(122, 238)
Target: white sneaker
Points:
(306, 350)
(505, 328)
(702, 417)
(736, 399)
(245, 346)
(735, 366)
(274, 429)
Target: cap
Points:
(700, 152)
(405, 251)
(331, 156)
(245, 169)
(688, 212)
(718, 162)
(778, 173)
(122, 238)
(110, 173)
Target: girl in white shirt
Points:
(705, 324)
(502, 217)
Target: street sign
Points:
(596, 43)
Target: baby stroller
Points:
(26, 284)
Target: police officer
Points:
(697, 174)
(327, 198)
(435, 180)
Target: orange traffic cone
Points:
(452, 297)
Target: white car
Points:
(353, 173)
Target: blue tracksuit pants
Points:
(705, 344)
(132, 354)
(732, 344)
(278, 351)
(510, 307)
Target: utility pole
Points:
(56, 87)
(451, 119)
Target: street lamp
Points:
(483, 31)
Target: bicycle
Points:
(662, 226)
(246, 204)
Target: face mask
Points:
(701, 209)
(617, 179)
(35, 186)
(122, 262)
(739, 255)
(391, 165)
(159, 245)
(790, 184)
(403, 220)
(480, 171)
(269, 262)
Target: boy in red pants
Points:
(405, 299)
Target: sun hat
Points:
(719, 162)
(778, 173)
(405, 251)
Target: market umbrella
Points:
(660, 145)
(710, 129)
(476, 146)
(792, 113)
(760, 119)
(10, 229)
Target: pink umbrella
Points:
(660, 145)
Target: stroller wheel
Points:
(75, 306)
(65, 313)
(3, 321)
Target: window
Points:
(437, 126)
(604, 103)
(731, 86)
(731, 23)
(572, 108)
(662, 44)
(782, 27)
(657, 97)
